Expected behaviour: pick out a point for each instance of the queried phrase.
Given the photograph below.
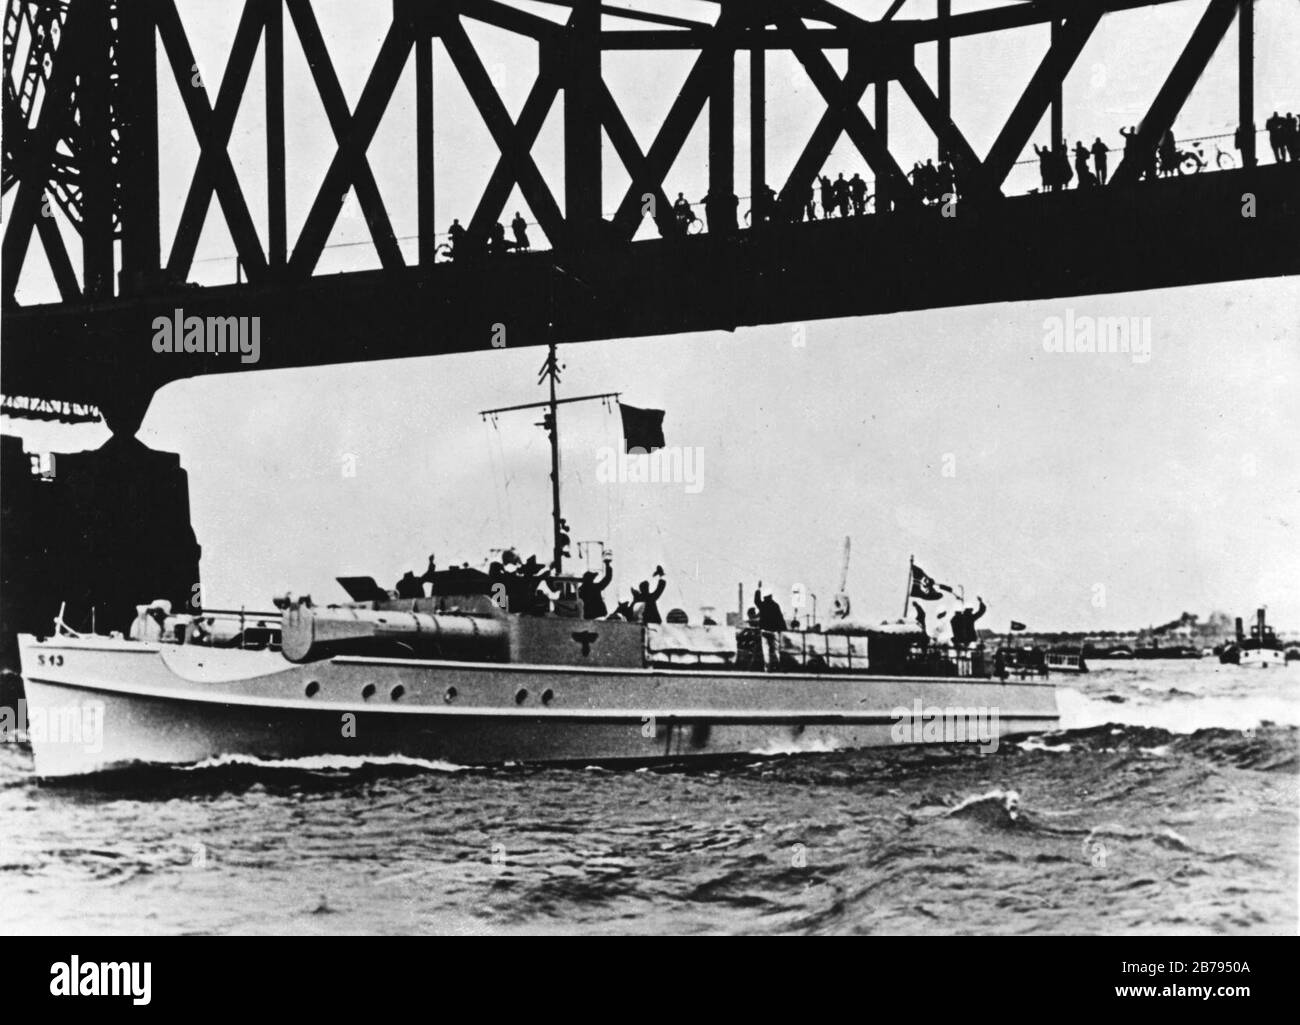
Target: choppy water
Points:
(1167, 803)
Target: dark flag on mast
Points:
(643, 429)
(923, 585)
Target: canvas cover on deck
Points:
(861, 627)
(687, 645)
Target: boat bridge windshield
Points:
(225, 628)
(751, 649)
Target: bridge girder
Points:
(121, 186)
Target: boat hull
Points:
(110, 704)
(1261, 658)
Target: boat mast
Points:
(550, 372)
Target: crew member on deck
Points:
(589, 591)
(963, 624)
(148, 623)
(770, 616)
(521, 587)
(920, 618)
(942, 634)
(622, 614)
(646, 603)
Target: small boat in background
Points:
(1066, 662)
(1260, 650)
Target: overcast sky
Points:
(1070, 490)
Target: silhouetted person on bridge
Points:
(917, 176)
(497, 239)
(1239, 141)
(828, 197)
(682, 214)
(945, 184)
(1130, 145)
(520, 227)
(1276, 126)
(1168, 153)
(1045, 166)
(456, 239)
(1061, 163)
(930, 182)
(1081, 168)
(842, 195)
(1099, 160)
(858, 194)
(810, 204)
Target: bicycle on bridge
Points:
(1173, 160)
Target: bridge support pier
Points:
(111, 531)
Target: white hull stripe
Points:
(712, 715)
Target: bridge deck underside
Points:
(1175, 232)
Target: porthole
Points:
(450, 695)
(548, 696)
(521, 695)
(367, 692)
(397, 692)
(312, 689)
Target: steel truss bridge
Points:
(81, 130)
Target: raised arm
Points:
(659, 590)
(609, 575)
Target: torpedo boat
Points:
(462, 676)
